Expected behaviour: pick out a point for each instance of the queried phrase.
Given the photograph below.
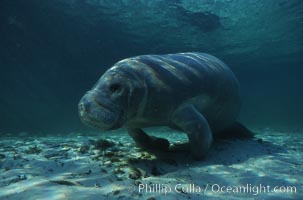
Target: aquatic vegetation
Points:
(52, 51)
(33, 150)
(120, 173)
(103, 144)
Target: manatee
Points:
(192, 92)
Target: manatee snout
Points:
(97, 111)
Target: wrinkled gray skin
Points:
(192, 92)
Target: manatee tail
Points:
(237, 130)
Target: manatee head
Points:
(105, 105)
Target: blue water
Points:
(53, 51)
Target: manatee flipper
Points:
(236, 130)
(147, 142)
(194, 124)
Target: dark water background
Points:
(53, 51)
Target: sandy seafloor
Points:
(109, 166)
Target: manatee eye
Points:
(115, 87)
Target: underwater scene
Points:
(151, 99)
